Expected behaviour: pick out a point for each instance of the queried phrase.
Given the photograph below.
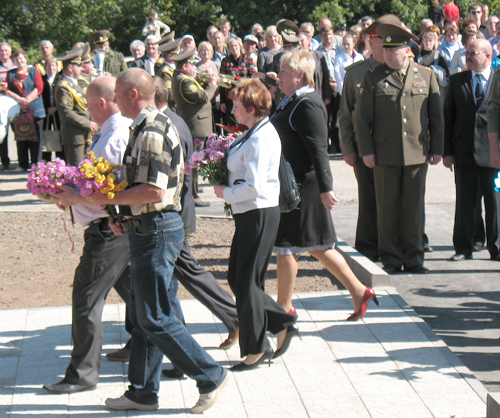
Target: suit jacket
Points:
(46, 99)
(466, 136)
(141, 63)
(188, 212)
(402, 124)
(193, 103)
(72, 107)
(353, 79)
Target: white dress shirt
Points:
(342, 61)
(110, 143)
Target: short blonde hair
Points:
(237, 40)
(433, 35)
(208, 45)
(300, 61)
(269, 31)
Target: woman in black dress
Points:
(301, 122)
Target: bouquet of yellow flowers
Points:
(98, 174)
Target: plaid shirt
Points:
(154, 156)
(242, 67)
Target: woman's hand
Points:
(329, 200)
(51, 110)
(219, 191)
(223, 107)
(116, 227)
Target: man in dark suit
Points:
(400, 127)
(467, 148)
(152, 61)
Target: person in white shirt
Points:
(345, 58)
(154, 26)
(105, 260)
(253, 192)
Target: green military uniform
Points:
(75, 119)
(193, 103)
(366, 241)
(114, 63)
(166, 73)
(400, 120)
(83, 82)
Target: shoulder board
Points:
(424, 67)
(356, 64)
(377, 68)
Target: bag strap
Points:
(254, 129)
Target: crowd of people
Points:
(390, 101)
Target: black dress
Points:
(302, 127)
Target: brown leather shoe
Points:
(231, 340)
(123, 354)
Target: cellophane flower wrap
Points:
(211, 162)
(46, 178)
(98, 174)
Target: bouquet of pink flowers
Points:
(45, 178)
(211, 162)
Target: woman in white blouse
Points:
(253, 193)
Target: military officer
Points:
(400, 126)
(87, 67)
(166, 71)
(72, 107)
(107, 60)
(193, 101)
(366, 232)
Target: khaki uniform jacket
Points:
(72, 107)
(402, 124)
(114, 62)
(353, 80)
(193, 103)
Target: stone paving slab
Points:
(390, 364)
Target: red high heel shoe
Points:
(293, 311)
(369, 295)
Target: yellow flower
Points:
(111, 195)
(111, 177)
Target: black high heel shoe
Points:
(291, 332)
(240, 367)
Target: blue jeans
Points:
(154, 247)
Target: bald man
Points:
(153, 166)
(467, 148)
(105, 260)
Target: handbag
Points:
(289, 189)
(51, 139)
(25, 127)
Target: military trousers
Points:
(400, 196)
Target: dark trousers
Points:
(366, 231)
(205, 288)
(467, 180)
(74, 153)
(28, 150)
(4, 150)
(400, 195)
(251, 249)
(104, 264)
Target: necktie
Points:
(479, 92)
(95, 139)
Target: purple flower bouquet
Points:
(45, 178)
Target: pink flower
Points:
(187, 170)
(197, 142)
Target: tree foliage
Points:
(26, 22)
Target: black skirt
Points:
(310, 225)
